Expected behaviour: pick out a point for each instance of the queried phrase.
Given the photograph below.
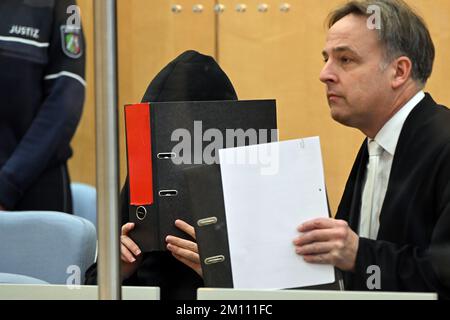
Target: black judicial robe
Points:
(412, 249)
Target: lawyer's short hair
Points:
(402, 32)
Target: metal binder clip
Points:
(215, 259)
(207, 221)
(166, 155)
(141, 213)
(168, 193)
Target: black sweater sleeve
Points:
(58, 116)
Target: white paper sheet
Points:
(269, 190)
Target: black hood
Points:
(190, 77)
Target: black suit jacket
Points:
(412, 248)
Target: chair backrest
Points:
(84, 199)
(50, 246)
(9, 278)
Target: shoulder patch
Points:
(72, 41)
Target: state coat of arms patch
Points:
(72, 41)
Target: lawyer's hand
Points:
(130, 254)
(184, 250)
(328, 241)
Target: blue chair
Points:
(10, 278)
(48, 246)
(84, 199)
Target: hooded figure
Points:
(190, 77)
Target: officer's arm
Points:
(54, 126)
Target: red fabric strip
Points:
(139, 147)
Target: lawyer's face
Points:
(356, 83)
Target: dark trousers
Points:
(50, 192)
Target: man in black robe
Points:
(392, 228)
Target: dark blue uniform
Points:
(42, 88)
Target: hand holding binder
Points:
(130, 254)
(246, 220)
(184, 250)
(156, 133)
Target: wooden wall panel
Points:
(150, 36)
(82, 164)
(437, 17)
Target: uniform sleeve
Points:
(410, 268)
(55, 123)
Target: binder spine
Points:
(142, 206)
(139, 146)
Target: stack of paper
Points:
(269, 190)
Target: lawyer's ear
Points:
(401, 71)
